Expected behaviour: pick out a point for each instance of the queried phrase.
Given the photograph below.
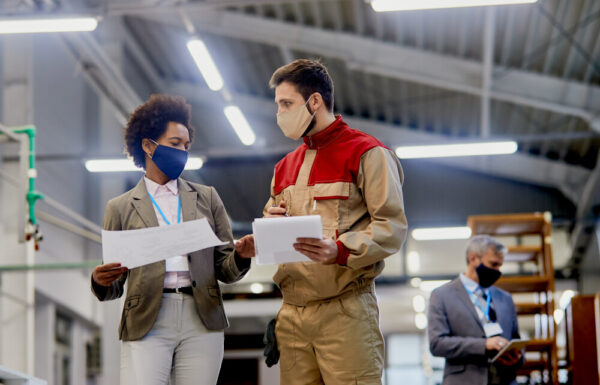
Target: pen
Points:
(284, 214)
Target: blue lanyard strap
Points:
(486, 311)
(161, 212)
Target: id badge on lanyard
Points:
(178, 263)
(491, 329)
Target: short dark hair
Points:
(150, 120)
(309, 76)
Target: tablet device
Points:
(512, 344)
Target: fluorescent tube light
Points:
(412, 5)
(459, 149)
(257, 288)
(413, 262)
(420, 321)
(430, 286)
(565, 298)
(240, 125)
(559, 315)
(418, 302)
(117, 165)
(437, 233)
(205, 64)
(47, 25)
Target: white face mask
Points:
(294, 122)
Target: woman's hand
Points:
(245, 246)
(106, 274)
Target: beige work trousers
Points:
(178, 348)
(334, 342)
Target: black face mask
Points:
(487, 276)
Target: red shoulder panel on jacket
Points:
(287, 169)
(340, 160)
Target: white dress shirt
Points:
(177, 272)
(474, 288)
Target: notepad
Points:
(274, 238)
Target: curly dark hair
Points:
(150, 120)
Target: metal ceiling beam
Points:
(539, 91)
(585, 222)
(529, 169)
(525, 168)
(142, 59)
(568, 179)
(116, 8)
(488, 66)
(102, 75)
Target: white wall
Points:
(59, 98)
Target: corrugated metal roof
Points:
(526, 38)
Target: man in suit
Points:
(470, 320)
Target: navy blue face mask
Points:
(169, 160)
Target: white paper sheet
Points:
(274, 237)
(133, 248)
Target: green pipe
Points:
(52, 266)
(32, 195)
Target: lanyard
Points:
(163, 215)
(486, 311)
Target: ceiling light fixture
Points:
(120, 165)
(205, 64)
(48, 25)
(439, 233)
(412, 5)
(240, 125)
(459, 149)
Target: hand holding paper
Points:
(323, 250)
(134, 248)
(275, 237)
(245, 247)
(105, 275)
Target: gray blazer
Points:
(456, 333)
(134, 210)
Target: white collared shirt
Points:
(473, 287)
(167, 197)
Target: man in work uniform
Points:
(328, 327)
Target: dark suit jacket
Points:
(456, 333)
(134, 210)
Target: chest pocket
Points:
(286, 196)
(330, 201)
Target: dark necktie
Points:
(492, 314)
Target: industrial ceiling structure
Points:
(530, 73)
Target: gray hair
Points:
(479, 244)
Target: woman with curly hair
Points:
(173, 319)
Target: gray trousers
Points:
(178, 348)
